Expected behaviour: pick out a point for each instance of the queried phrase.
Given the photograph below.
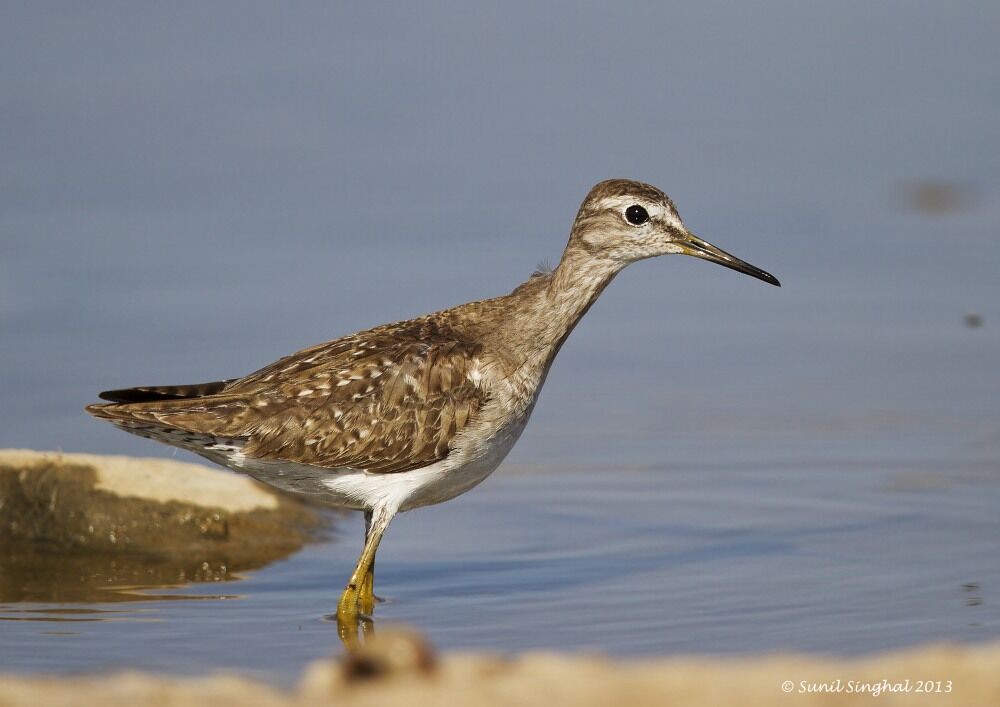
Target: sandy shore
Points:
(399, 670)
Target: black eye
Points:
(636, 215)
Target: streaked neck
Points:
(549, 309)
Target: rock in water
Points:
(73, 526)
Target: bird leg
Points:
(366, 598)
(364, 575)
(366, 602)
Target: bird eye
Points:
(636, 215)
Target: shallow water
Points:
(621, 562)
(715, 465)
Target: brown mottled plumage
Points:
(387, 400)
(417, 412)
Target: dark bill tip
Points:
(699, 248)
(750, 270)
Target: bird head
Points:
(622, 221)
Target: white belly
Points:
(464, 468)
(467, 465)
(477, 451)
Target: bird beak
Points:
(692, 245)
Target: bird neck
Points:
(551, 307)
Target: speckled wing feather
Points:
(388, 400)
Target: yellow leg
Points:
(366, 601)
(350, 600)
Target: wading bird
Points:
(417, 412)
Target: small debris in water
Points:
(934, 197)
(973, 320)
(973, 597)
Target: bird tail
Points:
(156, 393)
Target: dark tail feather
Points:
(154, 393)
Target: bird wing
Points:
(382, 401)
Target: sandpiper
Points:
(417, 412)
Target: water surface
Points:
(620, 562)
(715, 465)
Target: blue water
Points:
(622, 562)
(188, 193)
